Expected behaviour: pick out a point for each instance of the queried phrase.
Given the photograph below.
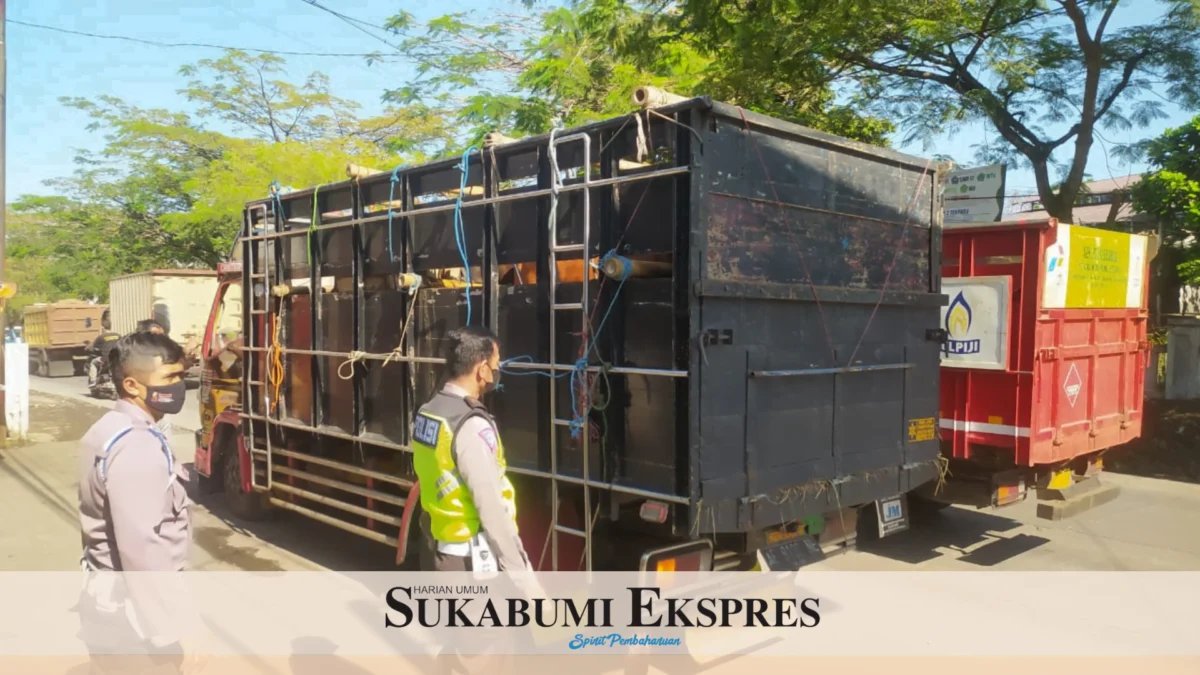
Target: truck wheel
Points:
(244, 505)
(42, 363)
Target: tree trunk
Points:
(1058, 205)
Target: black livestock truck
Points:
(720, 334)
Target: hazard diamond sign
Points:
(1072, 385)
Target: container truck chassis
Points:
(719, 330)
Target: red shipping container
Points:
(1046, 349)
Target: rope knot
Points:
(355, 357)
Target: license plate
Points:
(893, 516)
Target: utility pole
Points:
(3, 216)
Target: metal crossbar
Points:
(531, 194)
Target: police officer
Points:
(133, 504)
(468, 502)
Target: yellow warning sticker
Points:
(921, 429)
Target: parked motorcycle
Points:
(99, 381)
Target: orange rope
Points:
(275, 356)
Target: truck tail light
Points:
(653, 512)
(692, 556)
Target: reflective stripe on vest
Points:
(452, 514)
(108, 445)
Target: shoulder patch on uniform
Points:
(426, 429)
(489, 437)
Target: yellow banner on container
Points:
(1091, 268)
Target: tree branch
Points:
(1079, 20)
(983, 34)
(262, 85)
(1126, 76)
(1108, 12)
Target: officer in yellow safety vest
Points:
(470, 514)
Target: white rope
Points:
(554, 182)
(641, 138)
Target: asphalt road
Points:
(1153, 525)
(75, 388)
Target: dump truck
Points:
(59, 334)
(719, 330)
(1043, 363)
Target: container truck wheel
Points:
(244, 505)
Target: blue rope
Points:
(460, 232)
(578, 373)
(276, 198)
(391, 198)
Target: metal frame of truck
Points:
(753, 499)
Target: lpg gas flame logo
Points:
(958, 327)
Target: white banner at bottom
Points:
(694, 614)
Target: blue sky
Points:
(42, 134)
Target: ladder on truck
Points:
(260, 252)
(555, 367)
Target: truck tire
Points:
(41, 363)
(245, 505)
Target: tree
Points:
(519, 72)
(62, 248)
(1171, 192)
(1046, 74)
(168, 187)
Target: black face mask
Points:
(167, 399)
(495, 384)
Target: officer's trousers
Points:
(110, 639)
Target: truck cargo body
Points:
(178, 299)
(1044, 363)
(775, 359)
(58, 335)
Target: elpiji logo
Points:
(1057, 258)
(958, 327)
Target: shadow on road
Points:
(314, 541)
(957, 529)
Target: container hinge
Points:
(715, 336)
(1048, 354)
(938, 335)
(1143, 345)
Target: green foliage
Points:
(60, 248)
(1046, 74)
(523, 71)
(1171, 192)
(168, 187)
